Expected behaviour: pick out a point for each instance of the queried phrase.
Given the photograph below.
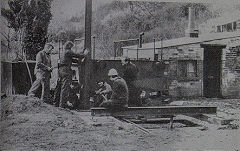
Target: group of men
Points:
(43, 71)
(121, 93)
(124, 92)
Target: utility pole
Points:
(88, 62)
(115, 47)
(154, 49)
(161, 49)
(137, 47)
(140, 40)
(93, 57)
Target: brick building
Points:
(228, 22)
(200, 65)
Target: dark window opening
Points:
(229, 27)
(224, 28)
(234, 26)
(187, 68)
(238, 53)
(219, 29)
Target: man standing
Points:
(130, 73)
(119, 97)
(43, 73)
(65, 73)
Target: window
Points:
(229, 27)
(234, 26)
(219, 29)
(224, 28)
(187, 68)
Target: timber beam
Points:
(155, 111)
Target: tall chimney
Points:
(191, 31)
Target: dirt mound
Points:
(29, 124)
(19, 104)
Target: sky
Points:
(64, 9)
(67, 8)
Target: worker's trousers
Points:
(134, 95)
(66, 81)
(41, 81)
(115, 104)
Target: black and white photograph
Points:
(120, 75)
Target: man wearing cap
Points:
(119, 97)
(42, 72)
(65, 74)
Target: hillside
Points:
(120, 20)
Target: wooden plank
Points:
(218, 120)
(138, 126)
(204, 125)
(155, 111)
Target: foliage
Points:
(31, 19)
(125, 20)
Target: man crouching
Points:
(119, 97)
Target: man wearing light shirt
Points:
(42, 72)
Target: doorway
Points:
(212, 70)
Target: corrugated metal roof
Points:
(187, 40)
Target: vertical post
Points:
(140, 40)
(137, 48)
(161, 49)
(154, 50)
(88, 24)
(87, 45)
(115, 47)
(171, 122)
(59, 50)
(93, 47)
(59, 45)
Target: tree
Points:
(30, 18)
(126, 20)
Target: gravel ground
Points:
(29, 124)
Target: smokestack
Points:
(191, 31)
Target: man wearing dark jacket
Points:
(130, 73)
(119, 97)
(43, 73)
(65, 74)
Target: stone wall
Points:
(231, 72)
(6, 78)
(184, 86)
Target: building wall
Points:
(150, 76)
(221, 24)
(6, 78)
(193, 87)
(15, 78)
(184, 86)
(231, 72)
(142, 54)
